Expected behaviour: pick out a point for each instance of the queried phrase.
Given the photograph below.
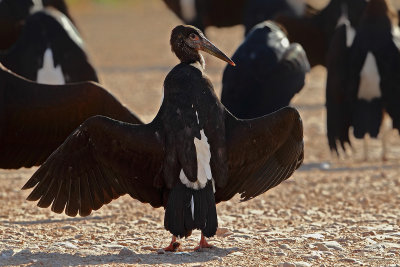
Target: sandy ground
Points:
(341, 212)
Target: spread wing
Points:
(100, 161)
(262, 152)
(338, 98)
(35, 119)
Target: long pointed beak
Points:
(208, 47)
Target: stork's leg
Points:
(384, 143)
(173, 246)
(203, 243)
(365, 142)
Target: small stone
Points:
(285, 246)
(223, 232)
(322, 247)
(161, 251)
(286, 264)
(333, 244)
(315, 236)
(69, 227)
(280, 253)
(126, 252)
(237, 253)
(147, 248)
(302, 264)
(349, 260)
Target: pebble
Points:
(223, 232)
(126, 252)
(286, 264)
(69, 227)
(161, 251)
(350, 260)
(333, 244)
(237, 253)
(321, 247)
(285, 246)
(302, 264)
(315, 236)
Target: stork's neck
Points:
(197, 60)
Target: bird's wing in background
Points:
(100, 161)
(262, 152)
(35, 118)
(338, 98)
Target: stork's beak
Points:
(208, 47)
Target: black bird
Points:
(205, 13)
(49, 50)
(269, 72)
(13, 14)
(257, 11)
(193, 155)
(315, 29)
(36, 118)
(363, 79)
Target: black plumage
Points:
(51, 43)
(315, 29)
(206, 13)
(192, 147)
(13, 14)
(35, 118)
(363, 78)
(269, 72)
(257, 11)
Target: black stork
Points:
(205, 13)
(36, 118)
(269, 72)
(13, 14)
(194, 153)
(49, 50)
(315, 29)
(363, 81)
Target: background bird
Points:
(49, 50)
(13, 14)
(363, 77)
(193, 155)
(315, 29)
(269, 72)
(36, 118)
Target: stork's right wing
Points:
(100, 161)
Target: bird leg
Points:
(203, 244)
(173, 246)
(366, 139)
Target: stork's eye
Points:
(193, 36)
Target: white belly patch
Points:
(369, 80)
(203, 164)
(49, 74)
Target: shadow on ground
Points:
(45, 259)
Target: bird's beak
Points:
(208, 47)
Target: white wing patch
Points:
(49, 74)
(188, 10)
(203, 164)
(37, 5)
(369, 80)
(344, 20)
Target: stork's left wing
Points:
(262, 152)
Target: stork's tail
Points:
(188, 209)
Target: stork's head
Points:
(187, 41)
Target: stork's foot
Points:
(203, 244)
(173, 246)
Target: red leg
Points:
(173, 246)
(203, 243)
